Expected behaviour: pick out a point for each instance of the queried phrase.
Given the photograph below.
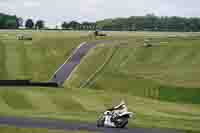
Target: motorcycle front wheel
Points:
(100, 122)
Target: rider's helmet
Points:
(122, 105)
(107, 113)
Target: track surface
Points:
(62, 125)
(66, 69)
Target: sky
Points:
(54, 12)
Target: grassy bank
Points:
(86, 105)
(168, 71)
(159, 83)
(37, 59)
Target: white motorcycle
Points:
(116, 117)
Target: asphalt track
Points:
(67, 126)
(66, 69)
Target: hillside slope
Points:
(159, 83)
(167, 71)
(37, 59)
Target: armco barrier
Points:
(27, 83)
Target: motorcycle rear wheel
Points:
(122, 124)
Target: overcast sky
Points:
(55, 11)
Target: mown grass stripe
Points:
(15, 100)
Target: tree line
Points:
(9, 22)
(14, 22)
(74, 25)
(29, 24)
(150, 22)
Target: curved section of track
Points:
(66, 69)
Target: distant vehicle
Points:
(147, 43)
(116, 117)
(98, 33)
(24, 37)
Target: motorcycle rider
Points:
(114, 112)
(108, 117)
(119, 109)
(115, 117)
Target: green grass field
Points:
(159, 83)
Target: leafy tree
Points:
(65, 25)
(39, 24)
(19, 22)
(29, 24)
(8, 21)
(85, 26)
(74, 25)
